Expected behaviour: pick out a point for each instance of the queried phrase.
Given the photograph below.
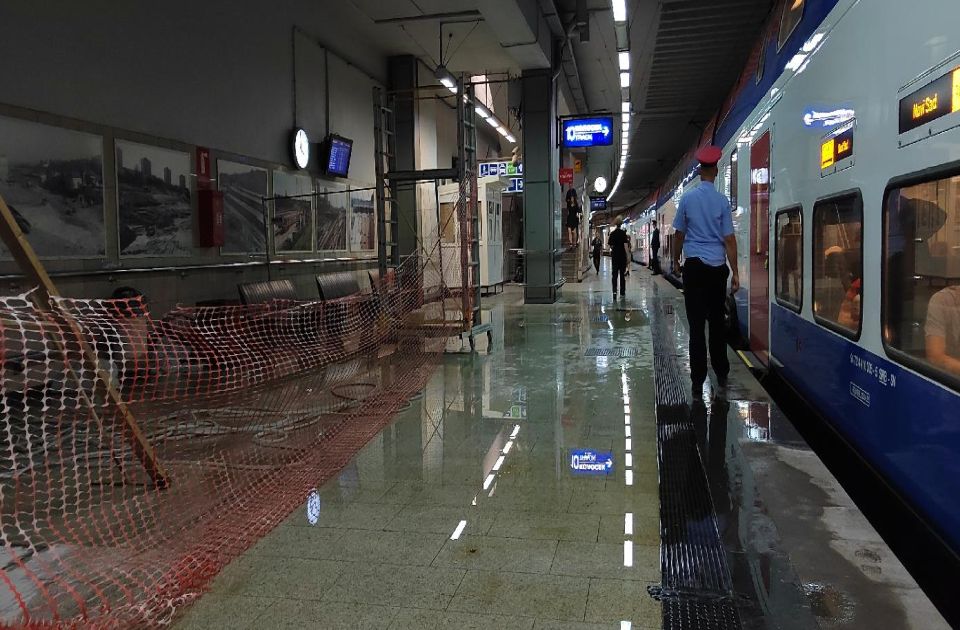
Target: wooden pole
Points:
(33, 269)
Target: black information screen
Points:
(930, 102)
(338, 160)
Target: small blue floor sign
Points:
(313, 507)
(587, 462)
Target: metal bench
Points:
(333, 286)
(260, 292)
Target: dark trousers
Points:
(596, 262)
(655, 262)
(704, 293)
(619, 271)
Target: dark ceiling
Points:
(686, 55)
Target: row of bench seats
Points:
(331, 286)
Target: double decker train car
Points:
(841, 152)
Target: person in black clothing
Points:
(655, 250)
(620, 257)
(597, 245)
(573, 218)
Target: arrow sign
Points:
(588, 132)
(589, 462)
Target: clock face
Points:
(301, 148)
(600, 184)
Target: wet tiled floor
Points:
(465, 512)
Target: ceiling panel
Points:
(379, 10)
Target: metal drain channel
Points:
(696, 590)
(611, 352)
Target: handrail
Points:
(184, 268)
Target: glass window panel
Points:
(789, 272)
(838, 262)
(792, 12)
(921, 293)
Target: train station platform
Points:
(561, 479)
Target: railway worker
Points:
(619, 257)
(704, 235)
(942, 329)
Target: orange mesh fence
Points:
(247, 408)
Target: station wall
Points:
(229, 76)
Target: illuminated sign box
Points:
(587, 132)
(835, 149)
(504, 168)
(598, 203)
(932, 101)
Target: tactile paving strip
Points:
(696, 591)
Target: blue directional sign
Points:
(588, 132)
(587, 462)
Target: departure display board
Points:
(588, 132)
(836, 148)
(598, 203)
(338, 158)
(932, 101)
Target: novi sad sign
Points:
(588, 132)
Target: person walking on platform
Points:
(655, 250)
(704, 234)
(597, 245)
(620, 257)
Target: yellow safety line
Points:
(744, 358)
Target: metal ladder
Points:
(384, 122)
(470, 261)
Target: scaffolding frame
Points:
(389, 179)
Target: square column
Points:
(541, 188)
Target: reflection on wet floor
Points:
(520, 489)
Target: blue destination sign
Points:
(598, 203)
(588, 132)
(587, 462)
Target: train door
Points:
(759, 247)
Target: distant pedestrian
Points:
(597, 245)
(704, 234)
(573, 218)
(619, 256)
(655, 250)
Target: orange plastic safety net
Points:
(139, 455)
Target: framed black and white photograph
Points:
(362, 218)
(52, 180)
(292, 217)
(243, 188)
(153, 191)
(332, 216)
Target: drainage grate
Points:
(697, 590)
(612, 352)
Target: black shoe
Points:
(720, 391)
(696, 393)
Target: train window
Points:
(789, 258)
(838, 263)
(789, 19)
(921, 275)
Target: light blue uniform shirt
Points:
(705, 219)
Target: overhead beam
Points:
(449, 16)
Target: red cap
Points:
(709, 155)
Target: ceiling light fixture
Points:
(625, 107)
(619, 10)
(624, 79)
(482, 111)
(624, 60)
(448, 80)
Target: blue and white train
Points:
(842, 161)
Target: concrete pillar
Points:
(402, 77)
(541, 196)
